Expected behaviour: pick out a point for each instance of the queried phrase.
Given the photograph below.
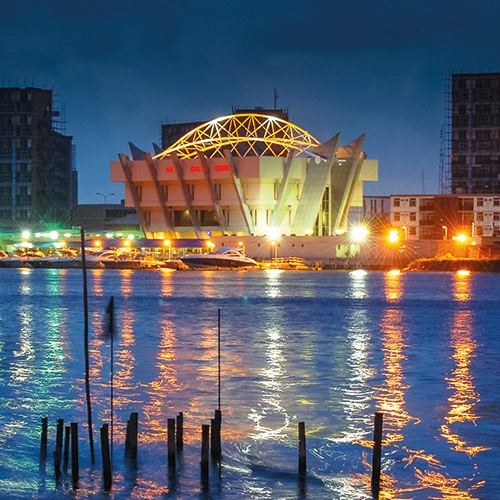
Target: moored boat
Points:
(227, 258)
(134, 261)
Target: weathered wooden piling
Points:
(179, 436)
(131, 436)
(302, 448)
(171, 442)
(377, 453)
(43, 441)
(215, 440)
(67, 433)
(134, 432)
(75, 472)
(59, 438)
(57, 466)
(86, 346)
(106, 457)
(205, 447)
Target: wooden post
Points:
(74, 455)
(171, 442)
(180, 432)
(302, 448)
(67, 433)
(59, 438)
(57, 466)
(205, 446)
(43, 441)
(134, 429)
(106, 457)
(215, 441)
(218, 358)
(127, 440)
(377, 453)
(86, 345)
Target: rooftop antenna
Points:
(275, 98)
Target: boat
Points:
(131, 261)
(224, 258)
(61, 259)
(21, 258)
(290, 263)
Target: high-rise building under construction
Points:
(475, 133)
(37, 180)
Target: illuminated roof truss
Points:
(244, 135)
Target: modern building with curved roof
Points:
(245, 174)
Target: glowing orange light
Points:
(393, 236)
(463, 272)
(97, 243)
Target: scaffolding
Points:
(445, 153)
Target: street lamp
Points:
(445, 232)
(274, 244)
(405, 232)
(104, 197)
(168, 244)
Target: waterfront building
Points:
(38, 183)
(475, 133)
(249, 173)
(427, 217)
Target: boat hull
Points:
(197, 262)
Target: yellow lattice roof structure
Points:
(247, 134)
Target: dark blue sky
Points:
(122, 68)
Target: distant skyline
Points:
(119, 69)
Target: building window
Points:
(479, 202)
(412, 231)
(480, 217)
(397, 202)
(413, 202)
(397, 216)
(253, 215)
(496, 202)
(413, 216)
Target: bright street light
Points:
(393, 236)
(359, 233)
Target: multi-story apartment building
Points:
(425, 217)
(475, 133)
(37, 181)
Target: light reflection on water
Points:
(326, 348)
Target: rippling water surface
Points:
(326, 348)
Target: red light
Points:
(195, 169)
(222, 168)
(170, 170)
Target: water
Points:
(326, 348)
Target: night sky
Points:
(119, 69)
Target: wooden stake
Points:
(205, 447)
(67, 433)
(106, 458)
(171, 442)
(86, 346)
(75, 472)
(43, 441)
(302, 448)
(180, 432)
(377, 453)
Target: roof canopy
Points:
(246, 134)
